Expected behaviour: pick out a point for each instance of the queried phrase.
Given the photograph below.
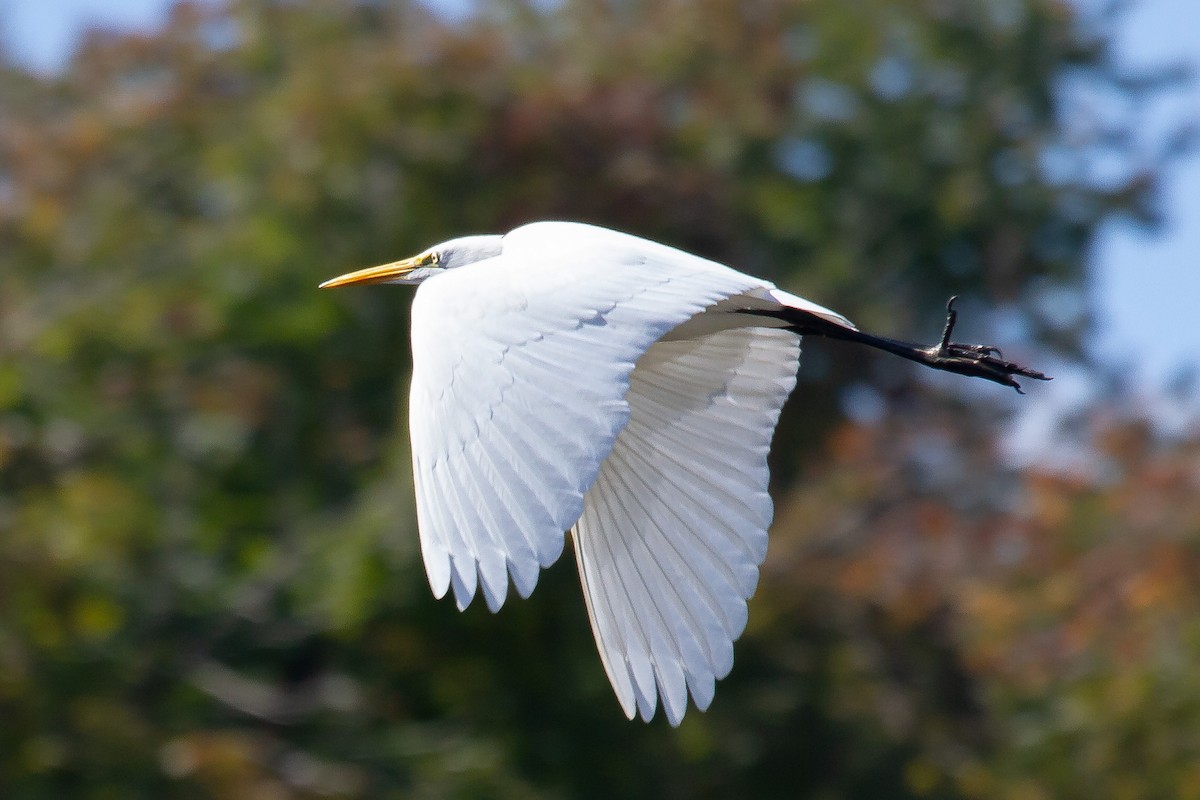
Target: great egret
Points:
(566, 376)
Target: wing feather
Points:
(674, 527)
(711, 575)
(435, 549)
(502, 512)
(678, 569)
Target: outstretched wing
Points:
(521, 367)
(675, 526)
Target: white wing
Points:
(521, 366)
(675, 526)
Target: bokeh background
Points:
(209, 577)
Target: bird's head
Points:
(437, 259)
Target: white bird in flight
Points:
(570, 377)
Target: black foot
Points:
(977, 360)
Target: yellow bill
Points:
(381, 274)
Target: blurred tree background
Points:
(209, 577)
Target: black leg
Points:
(975, 360)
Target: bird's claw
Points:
(979, 360)
(972, 350)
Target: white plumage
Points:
(675, 526)
(568, 377)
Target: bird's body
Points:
(568, 377)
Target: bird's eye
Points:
(433, 259)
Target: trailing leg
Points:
(976, 360)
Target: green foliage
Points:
(209, 577)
